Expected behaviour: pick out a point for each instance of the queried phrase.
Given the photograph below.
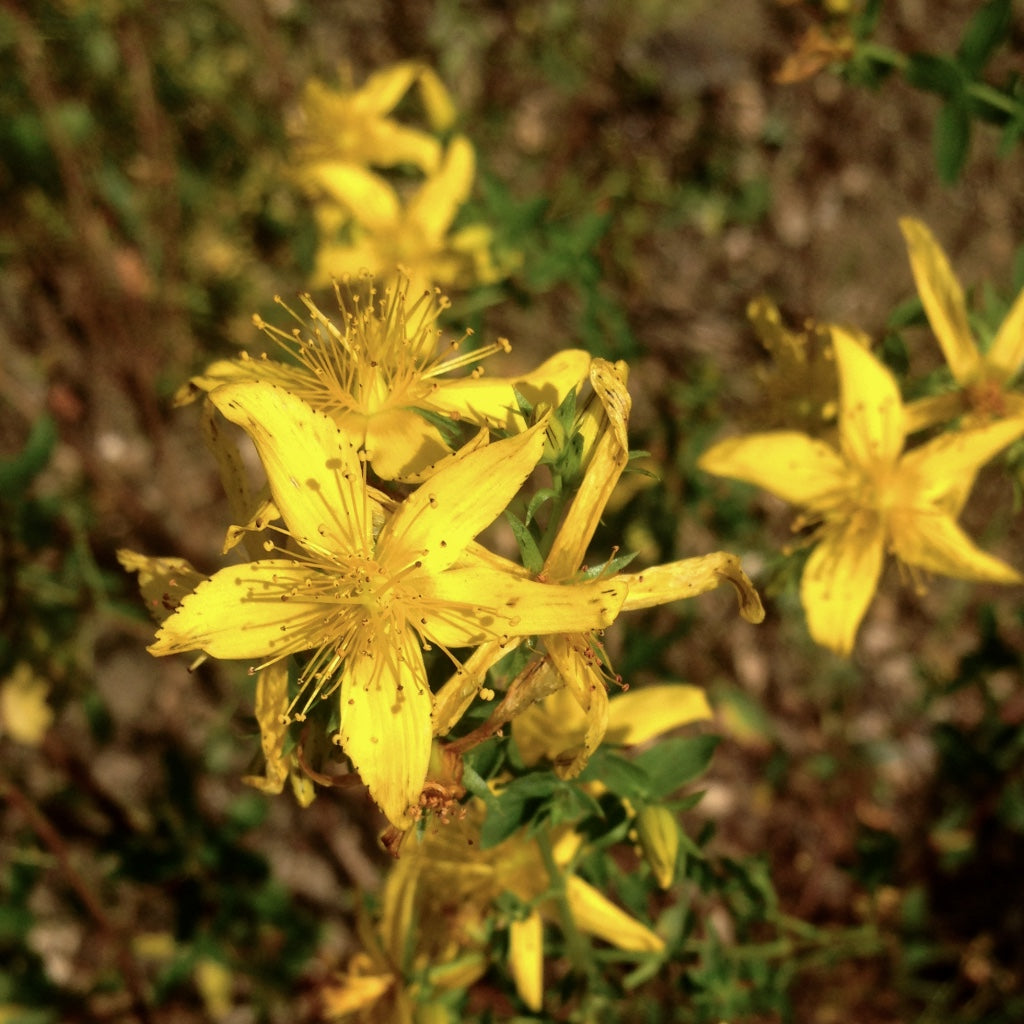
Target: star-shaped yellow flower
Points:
(344, 127)
(984, 379)
(870, 496)
(363, 600)
(366, 224)
(384, 366)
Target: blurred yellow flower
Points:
(984, 379)
(346, 126)
(386, 369)
(870, 496)
(25, 715)
(361, 599)
(366, 224)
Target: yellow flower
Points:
(348, 126)
(363, 600)
(984, 378)
(448, 881)
(380, 230)
(25, 715)
(575, 658)
(387, 365)
(870, 496)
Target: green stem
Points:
(579, 949)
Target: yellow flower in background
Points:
(384, 365)
(25, 715)
(984, 378)
(346, 126)
(365, 223)
(448, 885)
(575, 659)
(870, 496)
(363, 600)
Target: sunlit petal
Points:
(792, 465)
(313, 469)
(596, 915)
(436, 523)
(253, 610)
(385, 724)
(1007, 352)
(871, 427)
(840, 579)
(943, 300)
(937, 544)
(644, 712)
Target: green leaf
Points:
(986, 30)
(533, 560)
(621, 776)
(952, 140)
(16, 474)
(675, 762)
(936, 74)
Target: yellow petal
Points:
(475, 604)
(658, 832)
(435, 204)
(385, 724)
(436, 100)
(526, 959)
(435, 524)
(550, 726)
(950, 462)
(935, 543)
(491, 400)
(313, 469)
(645, 712)
(25, 715)
(677, 581)
(366, 196)
(840, 579)
(871, 427)
(596, 915)
(607, 461)
(255, 610)
(794, 466)
(454, 698)
(574, 662)
(933, 410)
(272, 702)
(163, 582)
(1007, 352)
(399, 443)
(389, 144)
(943, 300)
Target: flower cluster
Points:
(385, 193)
(870, 494)
(362, 575)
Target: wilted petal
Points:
(677, 581)
(575, 663)
(163, 582)
(272, 702)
